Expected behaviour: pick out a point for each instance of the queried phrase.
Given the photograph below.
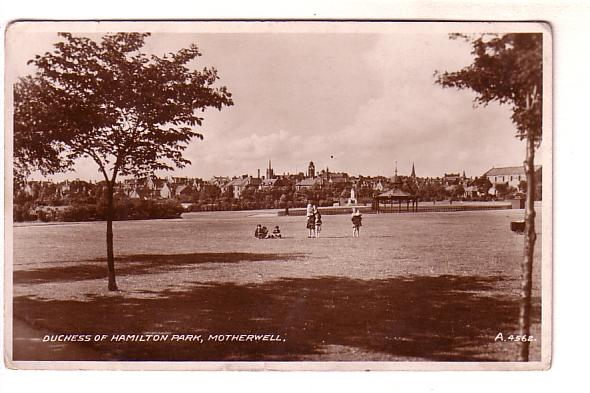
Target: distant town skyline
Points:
(352, 102)
(262, 173)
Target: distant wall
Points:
(395, 209)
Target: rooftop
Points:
(508, 170)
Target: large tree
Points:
(508, 69)
(130, 112)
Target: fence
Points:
(444, 208)
(328, 211)
(395, 209)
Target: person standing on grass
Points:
(357, 219)
(310, 221)
(318, 222)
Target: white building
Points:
(511, 175)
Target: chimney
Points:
(259, 173)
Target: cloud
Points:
(416, 120)
(353, 102)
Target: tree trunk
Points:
(529, 248)
(110, 252)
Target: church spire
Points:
(413, 171)
(270, 173)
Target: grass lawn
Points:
(424, 286)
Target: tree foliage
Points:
(132, 113)
(507, 69)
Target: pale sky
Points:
(365, 99)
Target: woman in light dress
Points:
(310, 220)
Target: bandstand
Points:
(392, 197)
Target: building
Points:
(219, 181)
(452, 179)
(311, 170)
(166, 192)
(138, 193)
(270, 173)
(511, 175)
(238, 185)
(179, 180)
(197, 184)
(338, 178)
(378, 186)
(270, 183)
(470, 192)
(183, 190)
(309, 183)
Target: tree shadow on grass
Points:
(442, 318)
(137, 264)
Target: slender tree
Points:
(508, 69)
(130, 112)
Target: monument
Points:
(352, 200)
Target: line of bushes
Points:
(124, 210)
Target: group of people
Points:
(314, 221)
(261, 232)
(314, 225)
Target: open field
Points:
(424, 286)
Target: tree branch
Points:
(98, 161)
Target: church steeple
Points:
(311, 170)
(413, 171)
(270, 174)
(395, 178)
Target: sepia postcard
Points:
(278, 195)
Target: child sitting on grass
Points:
(276, 232)
(258, 231)
(261, 232)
